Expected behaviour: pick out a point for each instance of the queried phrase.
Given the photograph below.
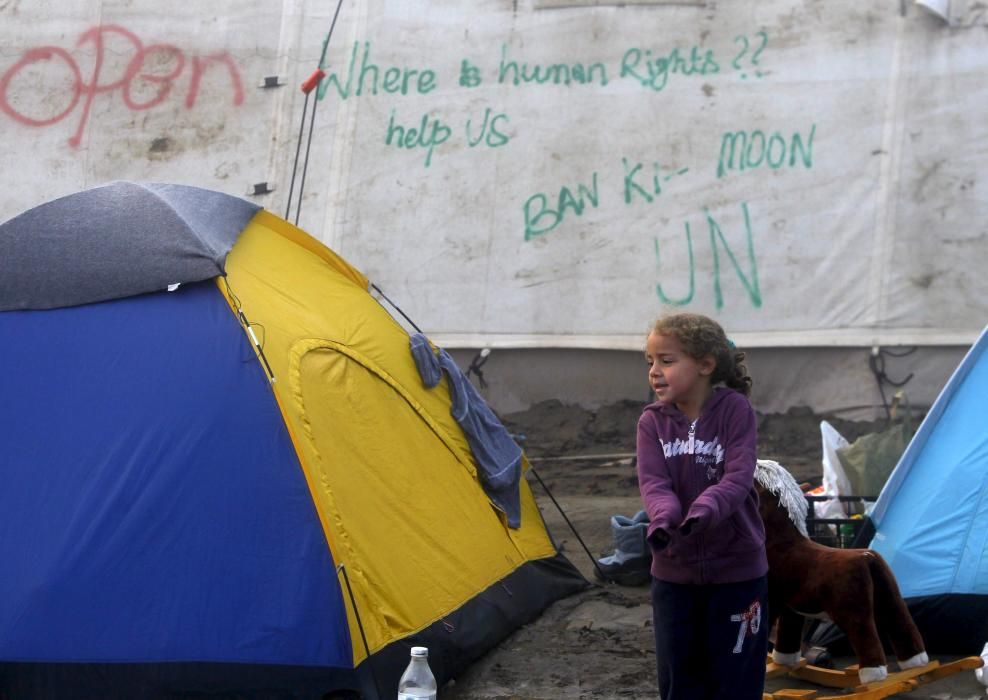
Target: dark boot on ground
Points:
(631, 562)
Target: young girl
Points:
(696, 463)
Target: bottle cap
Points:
(420, 651)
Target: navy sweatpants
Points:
(711, 640)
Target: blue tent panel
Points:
(116, 240)
(160, 514)
(931, 518)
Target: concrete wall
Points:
(545, 177)
(827, 380)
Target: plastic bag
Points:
(868, 461)
(835, 481)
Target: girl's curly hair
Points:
(701, 336)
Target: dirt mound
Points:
(554, 429)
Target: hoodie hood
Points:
(719, 394)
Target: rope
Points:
(308, 86)
(616, 456)
(876, 362)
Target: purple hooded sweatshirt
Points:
(702, 469)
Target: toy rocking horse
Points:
(854, 588)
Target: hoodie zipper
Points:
(691, 445)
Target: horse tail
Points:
(891, 610)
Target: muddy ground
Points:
(598, 644)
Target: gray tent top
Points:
(116, 240)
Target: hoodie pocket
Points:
(727, 538)
(743, 534)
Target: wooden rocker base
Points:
(846, 679)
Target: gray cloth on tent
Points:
(114, 241)
(498, 455)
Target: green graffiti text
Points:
(540, 218)
(717, 242)
(747, 150)
(556, 73)
(651, 188)
(371, 78)
(412, 137)
(653, 72)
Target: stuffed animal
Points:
(855, 588)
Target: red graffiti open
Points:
(135, 76)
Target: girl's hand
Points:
(687, 526)
(659, 538)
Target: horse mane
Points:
(777, 480)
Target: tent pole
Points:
(360, 626)
(577, 534)
(308, 86)
(396, 307)
(298, 149)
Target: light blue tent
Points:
(931, 518)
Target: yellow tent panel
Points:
(390, 470)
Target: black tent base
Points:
(952, 624)
(949, 624)
(468, 633)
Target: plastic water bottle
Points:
(417, 682)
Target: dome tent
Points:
(931, 518)
(189, 511)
